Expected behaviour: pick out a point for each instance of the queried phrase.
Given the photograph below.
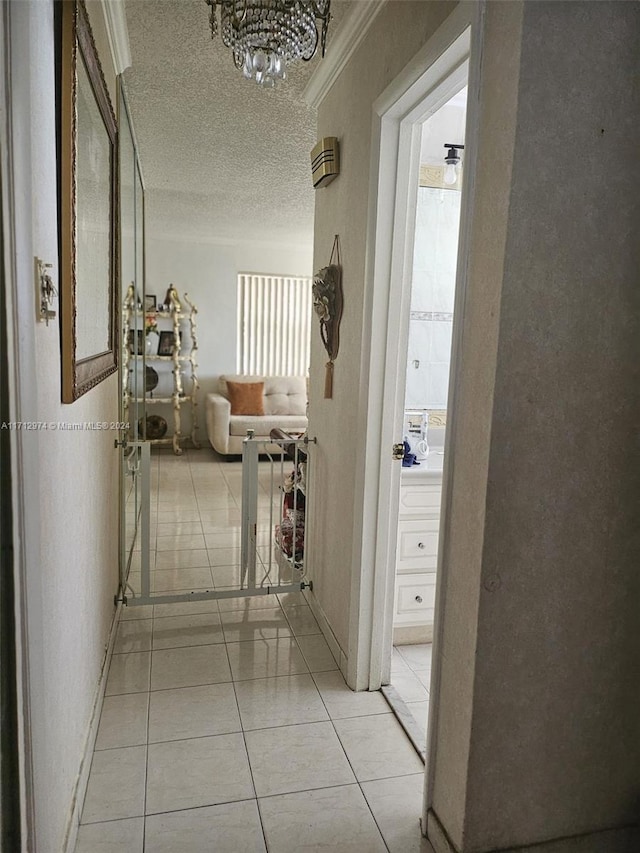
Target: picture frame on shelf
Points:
(150, 302)
(140, 349)
(167, 343)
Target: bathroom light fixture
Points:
(267, 35)
(452, 160)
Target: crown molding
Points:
(352, 30)
(115, 19)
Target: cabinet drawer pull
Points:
(420, 544)
(419, 599)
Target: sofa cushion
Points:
(283, 395)
(239, 424)
(246, 398)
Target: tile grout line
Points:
(256, 729)
(405, 702)
(357, 781)
(146, 769)
(193, 486)
(247, 799)
(285, 726)
(246, 749)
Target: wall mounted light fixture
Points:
(325, 161)
(452, 159)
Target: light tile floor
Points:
(411, 677)
(227, 725)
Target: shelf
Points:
(298, 487)
(161, 315)
(181, 356)
(285, 561)
(166, 358)
(182, 399)
(284, 439)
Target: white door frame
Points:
(435, 73)
(20, 336)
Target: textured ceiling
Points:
(222, 158)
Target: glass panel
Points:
(435, 257)
(93, 235)
(138, 377)
(432, 294)
(132, 338)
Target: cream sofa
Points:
(285, 405)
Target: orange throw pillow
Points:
(246, 398)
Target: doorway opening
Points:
(447, 64)
(436, 217)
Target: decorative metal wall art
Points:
(45, 291)
(328, 303)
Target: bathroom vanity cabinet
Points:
(417, 551)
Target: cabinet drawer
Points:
(415, 600)
(420, 499)
(417, 545)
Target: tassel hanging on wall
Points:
(328, 303)
(328, 380)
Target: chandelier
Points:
(267, 35)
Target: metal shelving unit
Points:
(184, 368)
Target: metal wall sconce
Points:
(325, 161)
(45, 292)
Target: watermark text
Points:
(63, 426)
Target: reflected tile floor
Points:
(228, 727)
(410, 679)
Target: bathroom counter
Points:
(430, 468)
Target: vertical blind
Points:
(274, 324)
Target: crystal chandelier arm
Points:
(236, 6)
(213, 20)
(321, 8)
(322, 11)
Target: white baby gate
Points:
(274, 497)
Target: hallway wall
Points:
(71, 500)
(537, 737)
(396, 35)
(536, 679)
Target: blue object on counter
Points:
(409, 458)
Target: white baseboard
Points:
(80, 789)
(436, 835)
(621, 840)
(334, 646)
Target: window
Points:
(274, 324)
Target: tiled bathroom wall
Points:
(432, 297)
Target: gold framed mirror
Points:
(88, 146)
